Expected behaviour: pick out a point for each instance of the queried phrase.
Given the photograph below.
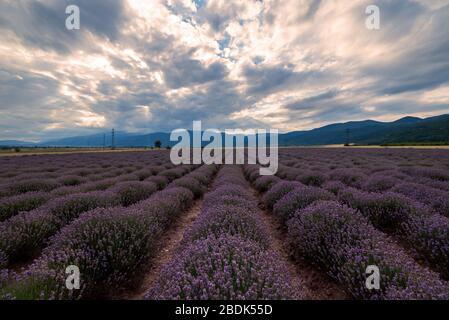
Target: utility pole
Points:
(104, 141)
(347, 137)
(113, 139)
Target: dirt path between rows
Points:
(314, 284)
(169, 244)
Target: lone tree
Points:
(157, 144)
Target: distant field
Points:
(31, 151)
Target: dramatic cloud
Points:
(157, 65)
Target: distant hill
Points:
(368, 132)
(122, 139)
(16, 143)
(408, 129)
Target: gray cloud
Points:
(184, 72)
(290, 64)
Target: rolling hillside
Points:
(368, 132)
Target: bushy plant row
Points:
(27, 199)
(226, 253)
(48, 172)
(342, 241)
(437, 199)
(427, 233)
(24, 234)
(110, 246)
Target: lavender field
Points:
(139, 227)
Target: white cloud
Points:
(158, 65)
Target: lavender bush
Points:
(315, 179)
(24, 202)
(228, 268)
(222, 219)
(190, 184)
(264, 183)
(131, 192)
(299, 198)
(278, 191)
(437, 199)
(342, 242)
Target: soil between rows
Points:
(314, 284)
(169, 244)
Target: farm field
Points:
(138, 227)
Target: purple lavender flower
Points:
(227, 268)
(11, 206)
(343, 243)
(299, 198)
(278, 191)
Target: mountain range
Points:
(368, 132)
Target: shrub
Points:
(435, 198)
(71, 180)
(379, 183)
(23, 233)
(33, 185)
(160, 181)
(24, 202)
(242, 200)
(127, 178)
(227, 268)
(264, 183)
(279, 190)
(288, 173)
(297, 199)
(224, 219)
(386, 211)
(428, 235)
(314, 179)
(131, 192)
(166, 205)
(143, 174)
(334, 186)
(190, 184)
(350, 177)
(342, 242)
(70, 207)
(107, 245)
(202, 177)
(229, 190)
(100, 185)
(172, 174)
(3, 260)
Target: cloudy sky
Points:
(157, 65)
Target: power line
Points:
(113, 139)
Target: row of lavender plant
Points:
(23, 235)
(226, 253)
(341, 241)
(425, 232)
(44, 173)
(429, 187)
(110, 246)
(10, 206)
(423, 229)
(27, 194)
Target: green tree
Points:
(158, 144)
